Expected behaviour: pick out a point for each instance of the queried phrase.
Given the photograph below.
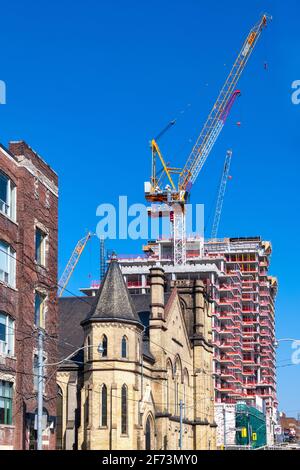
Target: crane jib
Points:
(220, 110)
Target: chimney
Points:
(157, 283)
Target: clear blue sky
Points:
(89, 83)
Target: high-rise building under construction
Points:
(235, 271)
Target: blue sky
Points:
(90, 83)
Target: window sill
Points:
(2, 283)
(36, 327)
(7, 426)
(42, 267)
(7, 356)
(9, 218)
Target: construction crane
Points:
(220, 199)
(103, 259)
(176, 196)
(68, 271)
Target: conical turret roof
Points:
(113, 299)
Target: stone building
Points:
(139, 362)
(28, 276)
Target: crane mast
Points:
(199, 152)
(68, 271)
(221, 194)
(176, 197)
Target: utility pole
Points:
(180, 430)
(40, 389)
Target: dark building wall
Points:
(36, 205)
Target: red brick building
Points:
(28, 278)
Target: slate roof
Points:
(113, 301)
(71, 312)
(74, 310)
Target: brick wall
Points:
(36, 205)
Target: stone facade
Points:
(29, 187)
(155, 364)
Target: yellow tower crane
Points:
(68, 271)
(176, 196)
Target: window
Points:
(59, 419)
(40, 247)
(7, 197)
(36, 373)
(104, 346)
(87, 407)
(7, 334)
(39, 310)
(7, 264)
(148, 434)
(103, 421)
(89, 349)
(124, 424)
(124, 347)
(6, 396)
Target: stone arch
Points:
(124, 409)
(183, 305)
(89, 348)
(178, 368)
(149, 432)
(124, 347)
(169, 385)
(103, 405)
(59, 419)
(186, 394)
(178, 382)
(104, 342)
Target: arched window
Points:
(89, 349)
(87, 407)
(186, 393)
(178, 382)
(103, 421)
(59, 418)
(124, 410)
(169, 386)
(124, 347)
(104, 346)
(148, 434)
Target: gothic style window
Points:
(124, 347)
(104, 406)
(104, 346)
(148, 434)
(87, 408)
(124, 411)
(59, 419)
(89, 349)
